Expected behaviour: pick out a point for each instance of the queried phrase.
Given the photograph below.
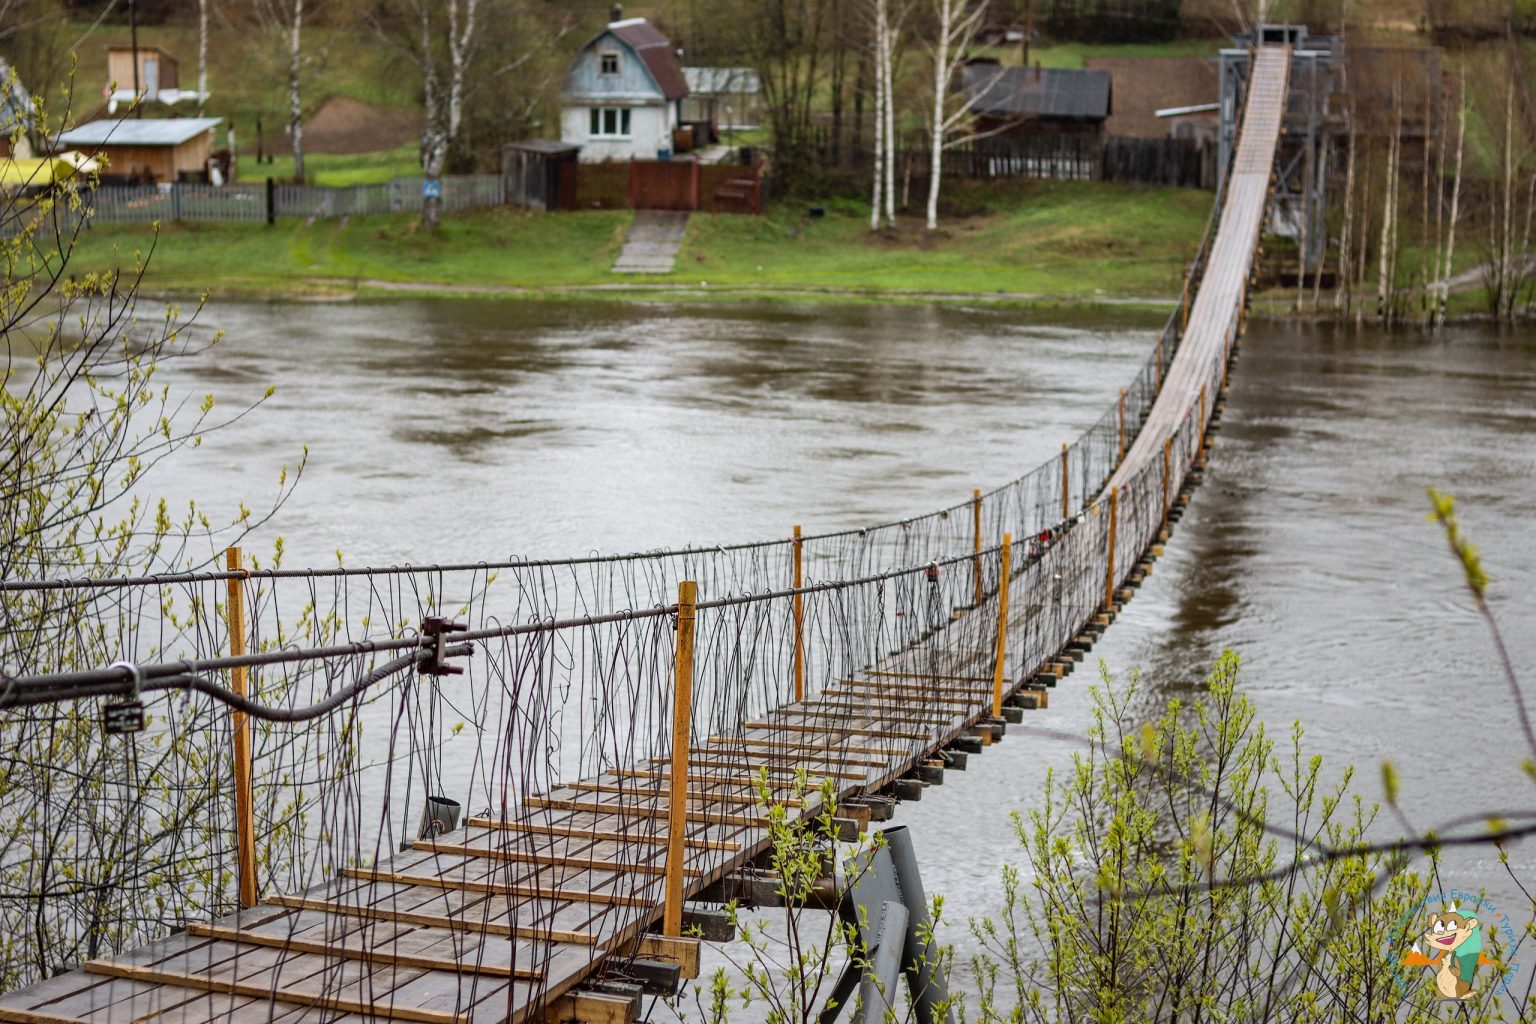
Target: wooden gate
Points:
(661, 185)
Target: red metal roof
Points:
(658, 53)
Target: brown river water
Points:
(465, 430)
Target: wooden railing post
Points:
(1202, 414)
(677, 793)
(1005, 572)
(1184, 307)
(799, 607)
(1122, 424)
(1159, 365)
(1066, 501)
(1109, 572)
(1167, 459)
(240, 725)
(976, 538)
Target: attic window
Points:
(608, 63)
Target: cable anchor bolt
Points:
(435, 631)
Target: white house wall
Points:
(650, 132)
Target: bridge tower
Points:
(1308, 137)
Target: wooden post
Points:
(677, 794)
(976, 534)
(1159, 365)
(1005, 571)
(799, 620)
(1066, 501)
(1202, 413)
(1184, 308)
(240, 725)
(1167, 458)
(1122, 424)
(1109, 574)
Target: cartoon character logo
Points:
(1454, 944)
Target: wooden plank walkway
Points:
(494, 922)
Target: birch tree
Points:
(202, 55)
(882, 82)
(958, 21)
(295, 104)
(285, 20)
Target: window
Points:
(608, 122)
(608, 63)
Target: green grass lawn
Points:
(503, 247)
(1071, 55)
(337, 170)
(1066, 241)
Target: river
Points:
(466, 430)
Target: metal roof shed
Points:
(153, 149)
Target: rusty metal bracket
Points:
(437, 629)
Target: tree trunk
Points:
(890, 125)
(1388, 216)
(1450, 226)
(940, 87)
(876, 200)
(1343, 293)
(295, 109)
(202, 56)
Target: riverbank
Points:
(1031, 243)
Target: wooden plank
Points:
(872, 713)
(930, 675)
(597, 834)
(464, 924)
(716, 741)
(14, 1015)
(581, 862)
(641, 810)
(744, 764)
(709, 795)
(791, 727)
(321, 1000)
(916, 697)
(499, 888)
(380, 956)
(682, 951)
(592, 1008)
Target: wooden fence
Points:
(263, 201)
(1184, 163)
(661, 185)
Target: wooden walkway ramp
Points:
(501, 920)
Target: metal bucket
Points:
(440, 816)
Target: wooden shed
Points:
(158, 150)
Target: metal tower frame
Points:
(1299, 206)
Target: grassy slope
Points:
(1065, 240)
(501, 247)
(1051, 238)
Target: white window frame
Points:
(597, 122)
(602, 60)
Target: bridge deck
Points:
(491, 922)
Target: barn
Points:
(1019, 101)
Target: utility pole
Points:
(133, 42)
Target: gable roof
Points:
(1017, 92)
(165, 131)
(654, 50)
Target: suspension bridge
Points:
(620, 739)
